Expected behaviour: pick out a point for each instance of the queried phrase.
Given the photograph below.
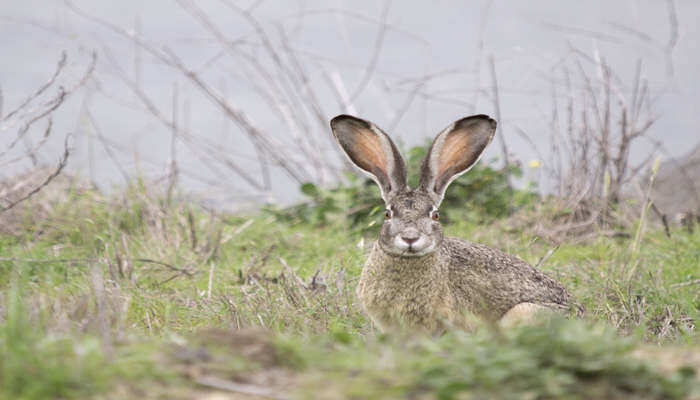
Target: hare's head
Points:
(411, 226)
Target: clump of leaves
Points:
(358, 202)
(482, 193)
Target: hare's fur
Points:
(416, 277)
(450, 286)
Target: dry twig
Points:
(61, 164)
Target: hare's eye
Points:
(435, 215)
(387, 214)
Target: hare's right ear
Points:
(372, 151)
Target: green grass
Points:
(110, 297)
(38, 363)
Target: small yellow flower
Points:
(534, 164)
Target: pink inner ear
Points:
(455, 155)
(369, 151)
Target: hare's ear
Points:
(372, 151)
(454, 151)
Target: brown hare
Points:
(415, 276)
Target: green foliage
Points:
(564, 360)
(480, 194)
(357, 203)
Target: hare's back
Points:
(491, 281)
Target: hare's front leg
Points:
(524, 313)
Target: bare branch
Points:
(59, 67)
(582, 32)
(360, 17)
(521, 132)
(499, 129)
(61, 164)
(372, 65)
(172, 164)
(406, 105)
(631, 31)
(296, 172)
(107, 148)
(49, 107)
(479, 52)
(673, 37)
(34, 149)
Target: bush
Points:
(564, 359)
(480, 194)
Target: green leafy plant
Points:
(482, 193)
(565, 359)
(356, 202)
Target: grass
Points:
(125, 295)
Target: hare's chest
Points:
(395, 296)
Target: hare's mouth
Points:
(413, 247)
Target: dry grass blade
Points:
(688, 283)
(253, 390)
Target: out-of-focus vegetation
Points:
(129, 294)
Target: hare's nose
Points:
(410, 235)
(409, 239)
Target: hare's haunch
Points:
(415, 276)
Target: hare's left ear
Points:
(454, 151)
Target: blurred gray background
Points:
(285, 68)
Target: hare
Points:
(414, 275)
